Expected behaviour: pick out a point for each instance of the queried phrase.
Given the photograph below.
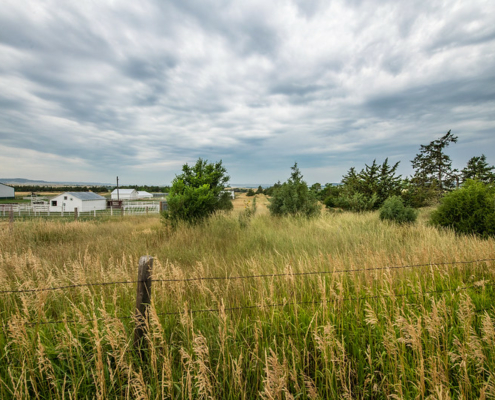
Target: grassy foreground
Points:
(383, 333)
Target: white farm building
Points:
(83, 201)
(144, 195)
(6, 192)
(125, 194)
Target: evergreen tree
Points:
(369, 188)
(433, 168)
(260, 190)
(477, 168)
(270, 190)
(294, 197)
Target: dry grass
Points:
(415, 335)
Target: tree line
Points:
(198, 191)
(52, 189)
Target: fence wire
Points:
(294, 274)
(284, 304)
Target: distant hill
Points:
(22, 181)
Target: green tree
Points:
(367, 189)
(260, 190)
(197, 192)
(433, 168)
(477, 168)
(294, 198)
(250, 192)
(270, 190)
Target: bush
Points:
(357, 202)
(393, 209)
(294, 197)
(198, 192)
(250, 192)
(469, 209)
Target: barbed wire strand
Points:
(275, 305)
(67, 287)
(337, 271)
(245, 276)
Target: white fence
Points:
(43, 210)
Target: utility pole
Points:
(118, 197)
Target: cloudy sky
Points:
(94, 89)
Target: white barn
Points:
(83, 201)
(144, 195)
(125, 194)
(6, 192)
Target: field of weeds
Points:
(298, 309)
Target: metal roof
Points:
(124, 191)
(85, 195)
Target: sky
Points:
(91, 90)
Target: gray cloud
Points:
(139, 89)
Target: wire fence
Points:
(274, 305)
(292, 274)
(286, 304)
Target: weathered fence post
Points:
(95, 213)
(146, 210)
(143, 298)
(76, 214)
(111, 211)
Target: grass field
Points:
(374, 332)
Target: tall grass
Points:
(388, 333)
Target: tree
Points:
(260, 190)
(270, 190)
(367, 189)
(198, 192)
(294, 198)
(250, 192)
(433, 168)
(477, 168)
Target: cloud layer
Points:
(90, 90)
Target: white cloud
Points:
(141, 87)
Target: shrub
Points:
(294, 197)
(469, 209)
(197, 192)
(357, 202)
(393, 209)
(250, 192)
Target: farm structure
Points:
(144, 195)
(83, 201)
(230, 192)
(6, 192)
(125, 194)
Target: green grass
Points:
(413, 332)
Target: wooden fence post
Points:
(76, 214)
(143, 298)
